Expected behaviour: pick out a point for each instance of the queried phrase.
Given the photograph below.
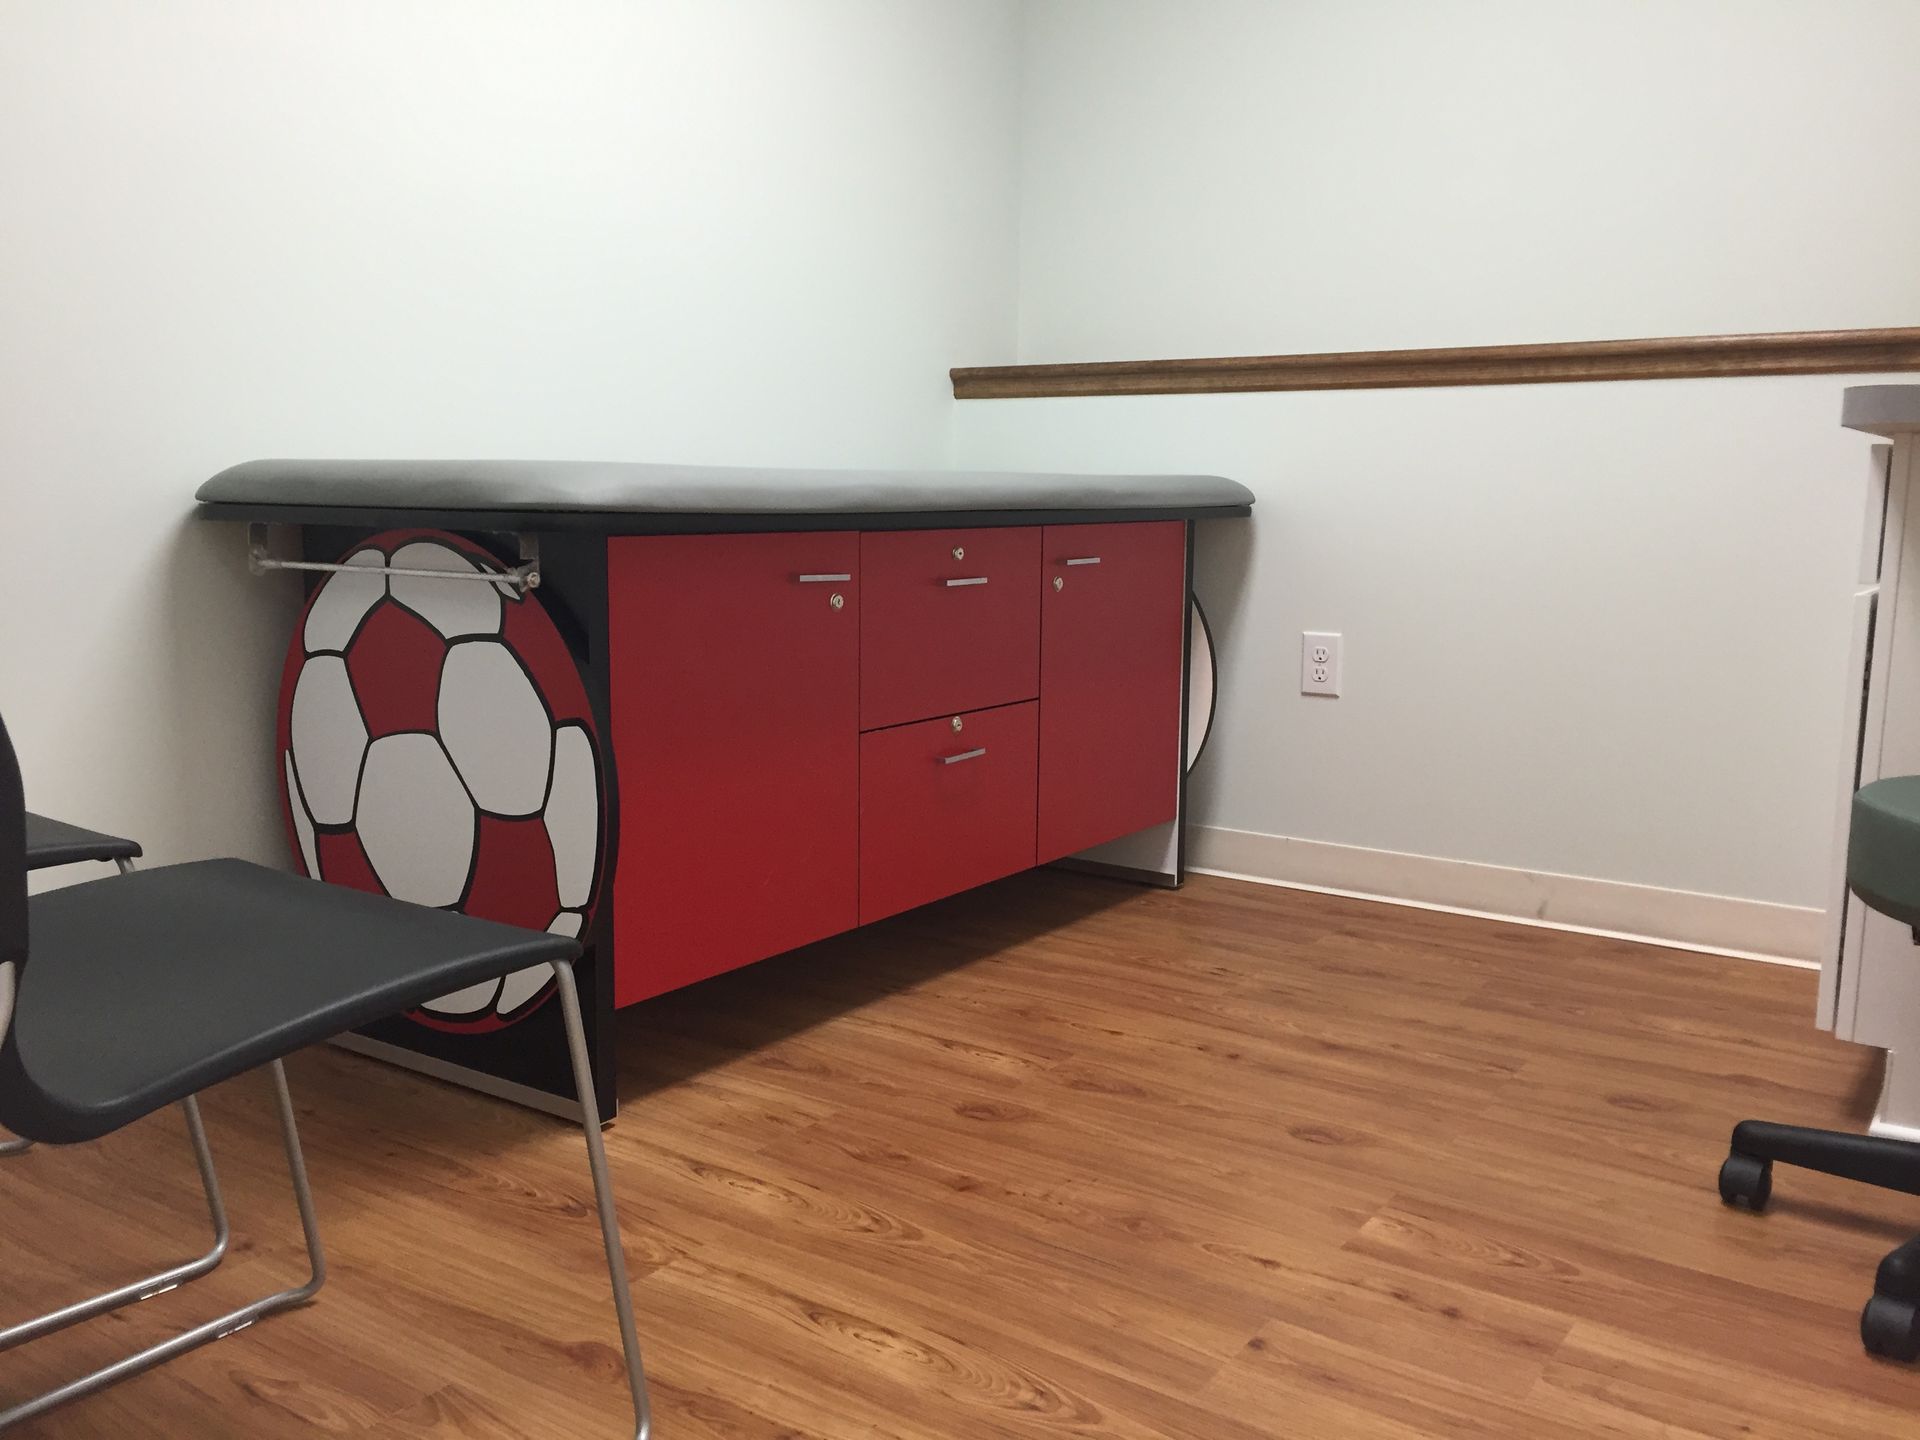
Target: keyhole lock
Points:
(959, 552)
(838, 602)
(956, 724)
(1059, 582)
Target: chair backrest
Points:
(13, 879)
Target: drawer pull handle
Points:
(973, 754)
(970, 580)
(822, 579)
(1085, 560)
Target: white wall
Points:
(1589, 630)
(707, 230)
(1593, 630)
(1228, 177)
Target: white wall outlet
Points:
(1319, 663)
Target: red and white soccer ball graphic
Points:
(437, 745)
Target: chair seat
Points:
(145, 988)
(1883, 847)
(54, 842)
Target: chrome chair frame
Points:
(238, 1320)
(153, 1285)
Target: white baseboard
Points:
(1684, 919)
(1897, 1116)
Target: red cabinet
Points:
(1112, 639)
(951, 622)
(783, 724)
(734, 687)
(945, 805)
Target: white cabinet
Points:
(1870, 978)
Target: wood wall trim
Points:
(1683, 357)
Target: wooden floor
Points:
(1060, 1158)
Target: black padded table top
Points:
(54, 842)
(627, 498)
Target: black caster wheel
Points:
(1746, 1181)
(1891, 1328)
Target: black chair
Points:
(52, 843)
(146, 987)
(1883, 869)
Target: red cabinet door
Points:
(1112, 635)
(944, 809)
(734, 685)
(951, 622)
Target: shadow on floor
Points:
(682, 1034)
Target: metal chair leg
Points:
(155, 1284)
(603, 1193)
(228, 1324)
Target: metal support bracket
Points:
(523, 577)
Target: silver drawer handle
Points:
(963, 755)
(822, 579)
(970, 580)
(1085, 560)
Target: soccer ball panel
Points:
(343, 861)
(342, 602)
(521, 986)
(416, 821)
(495, 728)
(573, 815)
(531, 634)
(328, 739)
(512, 873)
(453, 607)
(473, 1000)
(302, 823)
(366, 661)
(394, 663)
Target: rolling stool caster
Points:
(1890, 1325)
(1891, 1329)
(1746, 1182)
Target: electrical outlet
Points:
(1319, 663)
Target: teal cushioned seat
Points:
(1883, 847)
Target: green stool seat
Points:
(1883, 847)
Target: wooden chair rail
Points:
(1798, 352)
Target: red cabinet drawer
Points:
(950, 622)
(1113, 637)
(942, 810)
(734, 688)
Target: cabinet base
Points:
(1135, 873)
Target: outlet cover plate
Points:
(1319, 662)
